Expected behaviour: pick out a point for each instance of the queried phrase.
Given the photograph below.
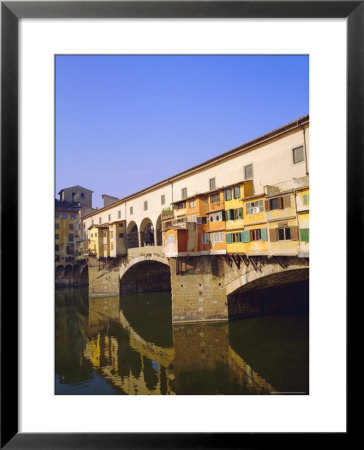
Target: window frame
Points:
(252, 172)
(303, 154)
(212, 181)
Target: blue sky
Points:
(126, 122)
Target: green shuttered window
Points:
(264, 234)
(304, 234)
(228, 238)
(245, 236)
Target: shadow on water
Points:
(150, 315)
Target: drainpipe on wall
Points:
(304, 147)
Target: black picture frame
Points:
(11, 12)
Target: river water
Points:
(128, 345)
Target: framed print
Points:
(41, 44)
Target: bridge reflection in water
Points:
(134, 348)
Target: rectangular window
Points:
(181, 205)
(65, 216)
(119, 214)
(236, 237)
(100, 220)
(145, 206)
(92, 221)
(212, 184)
(284, 234)
(248, 172)
(121, 235)
(217, 237)
(70, 250)
(214, 198)
(58, 216)
(57, 237)
(70, 237)
(163, 199)
(193, 204)
(205, 238)
(111, 235)
(255, 235)
(238, 213)
(120, 225)
(274, 203)
(70, 226)
(57, 226)
(57, 248)
(184, 192)
(228, 194)
(254, 207)
(305, 199)
(82, 195)
(92, 235)
(171, 239)
(131, 210)
(236, 191)
(109, 217)
(298, 155)
(201, 220)
(95, 234)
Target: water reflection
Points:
(129, 346)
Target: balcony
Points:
(284, 186)
(167, 214)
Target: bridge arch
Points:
(145, 274)
(267, 275)
(146, 232)
(132, 235)
(285, 291)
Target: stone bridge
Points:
(204, 288)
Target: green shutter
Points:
(304, 234)
(228, 238)
(264, 234)
(245, 236)
(241, 212)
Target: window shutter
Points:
(223, 215)
(304, 234)
(263, 234)
(228, 238)
(241, 213)
(287, 201)
(294, 233)
(273, 234)
(266, 205)
(280, 202)
(245, 236)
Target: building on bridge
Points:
(252, 199)
(74, 202)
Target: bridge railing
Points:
(146, 250)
